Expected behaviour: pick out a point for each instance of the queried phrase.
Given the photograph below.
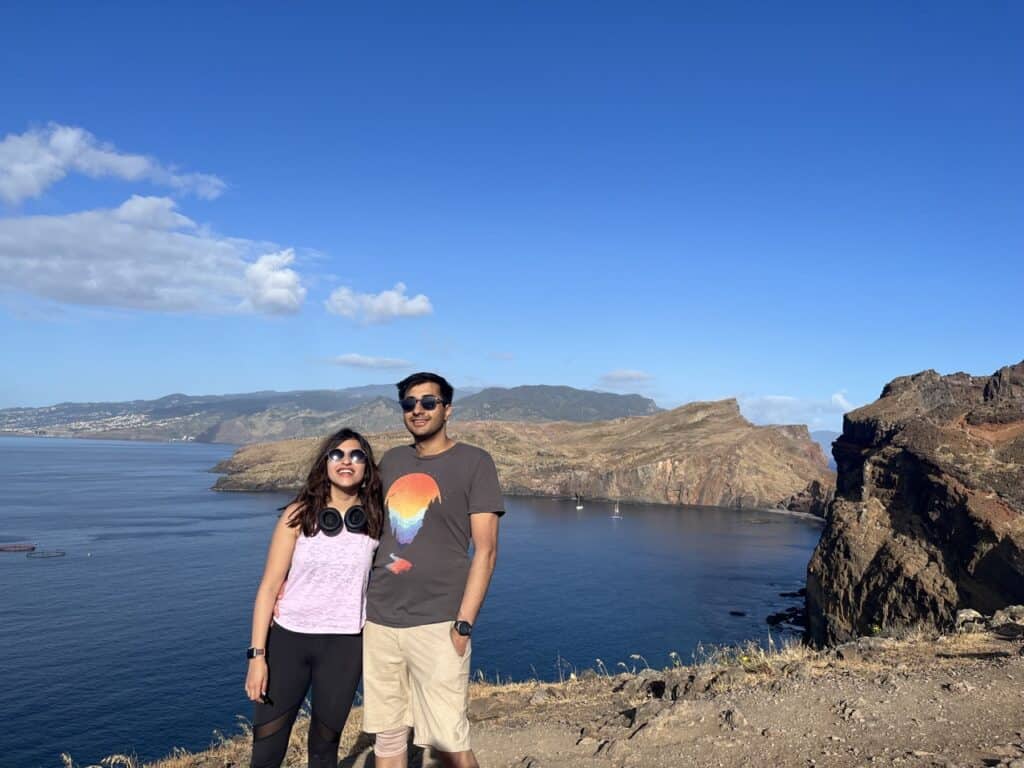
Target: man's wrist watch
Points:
(463, 628)
(252, 653)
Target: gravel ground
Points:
(946, 701)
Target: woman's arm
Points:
(279, 560)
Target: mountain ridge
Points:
(271, 415)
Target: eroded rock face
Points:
(812, 500)
(701, 453)
(928, 515)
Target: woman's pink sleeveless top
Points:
(326, 589)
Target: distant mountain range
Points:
(548, 403)
(261, 416)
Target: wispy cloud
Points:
(32, 161)
(503, 356)
(355, 360)
(622, 378)
(144, 254)
(839, 401)
(785, 409)
(380, 307)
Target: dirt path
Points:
(953, 701)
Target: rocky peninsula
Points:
(700, 453)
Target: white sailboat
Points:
(579, 501)
(616, 515)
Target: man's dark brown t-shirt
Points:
(419, 573)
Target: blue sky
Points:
(788, 203)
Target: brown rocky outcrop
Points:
(812, 500)
(701, 453)
(928, 515)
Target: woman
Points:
(324, 544)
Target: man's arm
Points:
(484, 529)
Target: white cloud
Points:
(378, 307)
(157, 212)
(839, 401)
(502, 356)
(272, 287)
(144, 255)
(625, 377)
(355, 360)
(785, 409)
(33, 161)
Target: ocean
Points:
(134, 641)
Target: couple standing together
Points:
(380, 585)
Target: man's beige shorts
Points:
(412, 676)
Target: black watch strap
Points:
(463, 628)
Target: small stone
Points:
(649, 709)
(1009, 630)
(698, 682)
(849, 652)
(732, 719)
(729, 676)
(965, 615)
(958, 687)
(799, 670)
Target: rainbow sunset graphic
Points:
(407, 501)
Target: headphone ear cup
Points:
(330, 521)
(355, 519)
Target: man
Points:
(425, 593)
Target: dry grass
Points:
(760, 662)
(753, 657)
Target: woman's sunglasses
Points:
(429, 402)
(356, 456)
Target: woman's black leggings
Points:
(333, 664)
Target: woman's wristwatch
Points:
(252, 653)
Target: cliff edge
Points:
(928, 514)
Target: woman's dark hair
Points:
(315, 493)
(447, 391)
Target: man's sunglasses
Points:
(356, 456)
(429, 402)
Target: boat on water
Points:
(617, 514)
(17, 547)
(579, 501)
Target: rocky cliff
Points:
(928, 514)
(701, 453)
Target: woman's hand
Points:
(256, 679)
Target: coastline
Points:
(553, 497)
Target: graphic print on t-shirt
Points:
(407, 501)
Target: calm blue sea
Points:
(134, 641)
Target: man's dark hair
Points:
(447, 391)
